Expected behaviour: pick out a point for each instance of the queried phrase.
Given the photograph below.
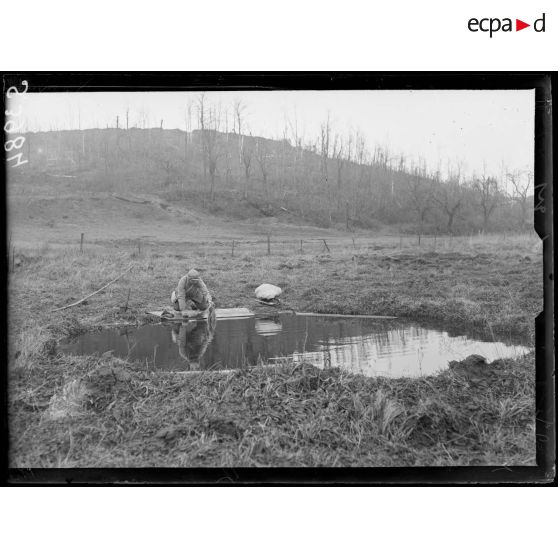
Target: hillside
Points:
(48, 209)
(208, 173)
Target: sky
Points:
(485, 129)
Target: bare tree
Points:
(246, 153)
(487, 196)
(281, 168)
(381, 156)
(262, 157)
(187, 127)
(360, 148)
(325, 139)
(228, 158)
(143, 117)
(297, 142)
(209, 120)
(420, 196)
(450, 199)
(522, 189)
(238, 116)
(292, 124)
(401, 163)
(339, 158)
(363, 170)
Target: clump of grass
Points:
(70, 402)
(385, 410)
(32, 344)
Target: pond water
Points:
(373, 347)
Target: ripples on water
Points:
(373, 347)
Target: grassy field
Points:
(99, 411)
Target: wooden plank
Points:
(223, 313)
(220, 314)
(237, 313)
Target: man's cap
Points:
(193, 274)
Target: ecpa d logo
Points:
(492, 25)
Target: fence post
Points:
(232, 250)
(81, 244)
(127, 300)
(268, 245)
(301, 246)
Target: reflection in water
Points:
(268, 326)
(373, 347)
(412, 351)
(193, 338)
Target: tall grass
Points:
(282, 415)
(31, 346)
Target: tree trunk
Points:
(451, 216)
(246, 182)
(484, 224)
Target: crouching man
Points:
(191, 294)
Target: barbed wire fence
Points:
(270, 245)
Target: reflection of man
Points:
(193, 338)
(191, 293)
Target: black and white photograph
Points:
(282, 277)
